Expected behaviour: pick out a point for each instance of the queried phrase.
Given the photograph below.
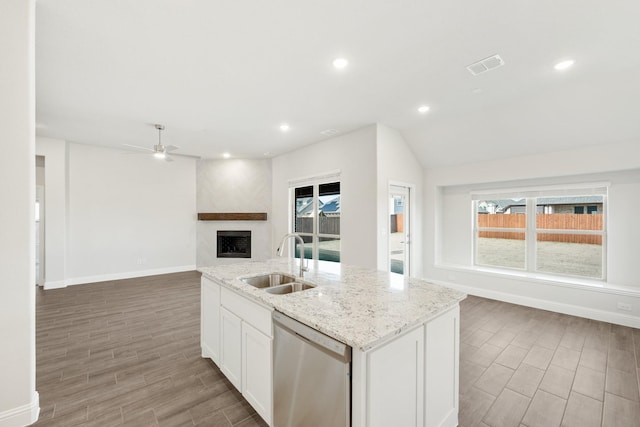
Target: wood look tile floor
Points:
(524, 367)
(128, 353)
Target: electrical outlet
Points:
(624, 306)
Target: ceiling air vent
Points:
(485, 65)
(330, 132)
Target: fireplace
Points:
(234, 244)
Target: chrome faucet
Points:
(303, 267)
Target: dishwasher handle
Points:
(337, 348)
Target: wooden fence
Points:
(396, 223)
(326, 225)
(544, 221)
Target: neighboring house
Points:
(304, 207)
(330, 208)
(572, 205)
(547, 205)
(499, 206)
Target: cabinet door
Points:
(395, 382)
(231, 347)
(210, 320)
(256, 370)
(442, 367)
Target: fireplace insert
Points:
(234, 244)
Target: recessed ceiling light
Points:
(564, 65)
(284, 127)
(423, 109)
(226, 155)
(477, 90)
(340, 63)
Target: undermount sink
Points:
(268, 280)
(277, 283)
(290, 288)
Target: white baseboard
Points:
(209, 354)
(22, 415)
(55, 285)
(117, 276)
(574, 310)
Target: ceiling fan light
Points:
(159, 155)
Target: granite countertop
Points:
(360, 307)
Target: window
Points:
(569, 243)
(316, 210)
(501, 226)
(543, 231)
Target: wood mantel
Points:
(233, 216)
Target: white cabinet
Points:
(245, 349)
(231, 347)
(442, 341)
(411, 380)
(210, 319)
(396, 382)
(256, 370)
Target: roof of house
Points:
(330, 207)
(333, 206)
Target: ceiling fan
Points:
(159, 151)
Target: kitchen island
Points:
(404, 335)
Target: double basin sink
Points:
(277, 283)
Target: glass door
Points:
(399, 230)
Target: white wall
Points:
(128, 215)
(354, 154)
(448, 237)
(111, 215)
(623, 236)
(233, 185)
(396, 164)
(55, 205)
(18, 398)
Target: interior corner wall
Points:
(55, 205)
(354, 154)
(448, 219)
(18, 397)
(396, 164)
(128, 215)
(233, 185)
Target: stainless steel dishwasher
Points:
(311, 376)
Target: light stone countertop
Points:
(360, 307)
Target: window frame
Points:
(531, 230)
(315, 234)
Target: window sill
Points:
(570, 282)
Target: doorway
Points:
(399, 230)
